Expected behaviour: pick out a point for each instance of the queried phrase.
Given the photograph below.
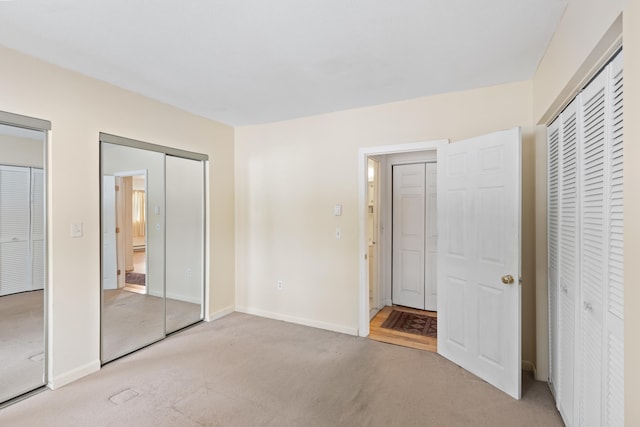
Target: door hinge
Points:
(118, 272)
(117, 188)
(117, 229)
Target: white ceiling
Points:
(254, 61)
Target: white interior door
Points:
(431, 286)
(109, 253)
(479, 249)
(409, 235)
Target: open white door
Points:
(479, 257)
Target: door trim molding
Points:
(363, 276)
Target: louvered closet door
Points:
(614, 294)
(585, 226)
(567, 260)
(601, 294)
(14, 230)
(553, 136)
(37, 229)
(593, 248)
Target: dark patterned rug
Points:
(135, 278)
(412, 323)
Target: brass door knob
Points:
(507, 280)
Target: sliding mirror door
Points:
(132, 249)
(152, 243)
(185, 241)
(22, 255)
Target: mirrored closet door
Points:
(185, 242)
(22, 255)
(152, 243)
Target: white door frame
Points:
(363, 155)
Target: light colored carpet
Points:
(21, 343)
(131, 320)
(244, 370)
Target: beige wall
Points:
(290, 174)
(580, 31)
(18, 151)
(79, 108)
(584, 31)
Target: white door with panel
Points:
(479, 310)
(414, 236)
(431, 286)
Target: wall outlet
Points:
(280, 285)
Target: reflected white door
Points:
(109, 254)
(409, 235)
(14, 230)
(479, 247)
(37, 229)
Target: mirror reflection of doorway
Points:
(131, 213)
(152, 243)
(124, 239)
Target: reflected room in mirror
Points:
(22, 261)
(152, 246)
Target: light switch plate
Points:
(337, 210)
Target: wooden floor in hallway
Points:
(378, 333)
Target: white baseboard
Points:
(529, 367)
(219, 313)
(193, 300)
(73, 375)
(299, 320)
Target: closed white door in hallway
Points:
(414, 236)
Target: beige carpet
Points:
(249, 371)
(21, 343)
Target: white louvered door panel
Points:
(568, 262)
(37, 229)
(614, 292)
(14, 229)
(594, 136)
(553, 140)
(586, 240)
